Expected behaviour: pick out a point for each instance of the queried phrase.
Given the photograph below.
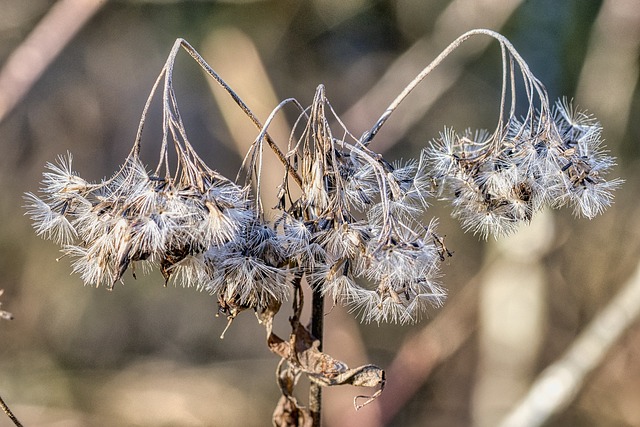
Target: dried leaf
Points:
(288, 412)
(302, 354)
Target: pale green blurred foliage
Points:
(148, 355)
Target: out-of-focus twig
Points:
(512, 318)
(610, 72)
(557, 385)
(607, 83)
(29, 60)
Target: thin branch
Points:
(203, 64)
(30, 60)
(465, 13)
(558, 385)
(7, 411)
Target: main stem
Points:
(317, 324)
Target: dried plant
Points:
(348, 223)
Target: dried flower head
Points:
(347, 219)
(552, 156)
(355, 229)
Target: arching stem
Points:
(7, 411)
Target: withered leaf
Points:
(302, 353)
(288, 412)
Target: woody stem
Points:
(317, 320)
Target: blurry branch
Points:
(456, 322)
(512, 317)
(610, 70)
(558, 385)
(459, 16)
(608, 79)
(29, 61)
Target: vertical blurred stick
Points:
(610, 71)
(556, 387)
(512, 317)
(29, 61)
(607, 82)
(456, 323)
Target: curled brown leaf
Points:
(302, 354)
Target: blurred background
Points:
(74, 76)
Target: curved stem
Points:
(368, 136)
(195, 55)
(249, 161)
(7, 411)
(166, 73)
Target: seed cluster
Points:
(361, 238)
(136, 216)
(496, 182)
(353, 225)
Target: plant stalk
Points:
(7, 411)
(317, 324)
